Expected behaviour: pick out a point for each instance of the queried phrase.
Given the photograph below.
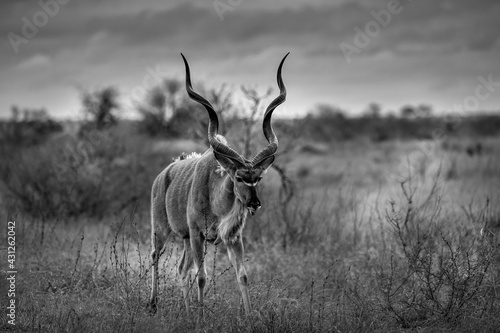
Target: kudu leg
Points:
(197, 247)
(158, 242)
(236, 253)
(184, 271)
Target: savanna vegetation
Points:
(379, 223)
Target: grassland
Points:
(400, 235)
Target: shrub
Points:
(27, 127)
(95, 174)
(433, 275)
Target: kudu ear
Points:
(228, 163)
(265, 163)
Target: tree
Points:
(424, 110)
(222, 101)
(153, 112)
(373, 111)
(407, 111)
(410, 111)
(251, 117)
(167, 111)
(100, 106)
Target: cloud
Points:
(99, 42)
(321, 27)
(436, 27)
(35, 62)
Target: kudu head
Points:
(244, 173)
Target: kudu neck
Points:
(224, 196)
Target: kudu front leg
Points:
(236, 253)
(158, 242)
(184, 271)
(154, 282)
(197, 247)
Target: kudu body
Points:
(206, 198)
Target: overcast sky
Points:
(424, 51)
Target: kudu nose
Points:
(254, 203)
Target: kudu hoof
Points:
(152, 309)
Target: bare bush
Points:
(432, 274)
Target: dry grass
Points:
(377, 240)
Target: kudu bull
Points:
(195, 200)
